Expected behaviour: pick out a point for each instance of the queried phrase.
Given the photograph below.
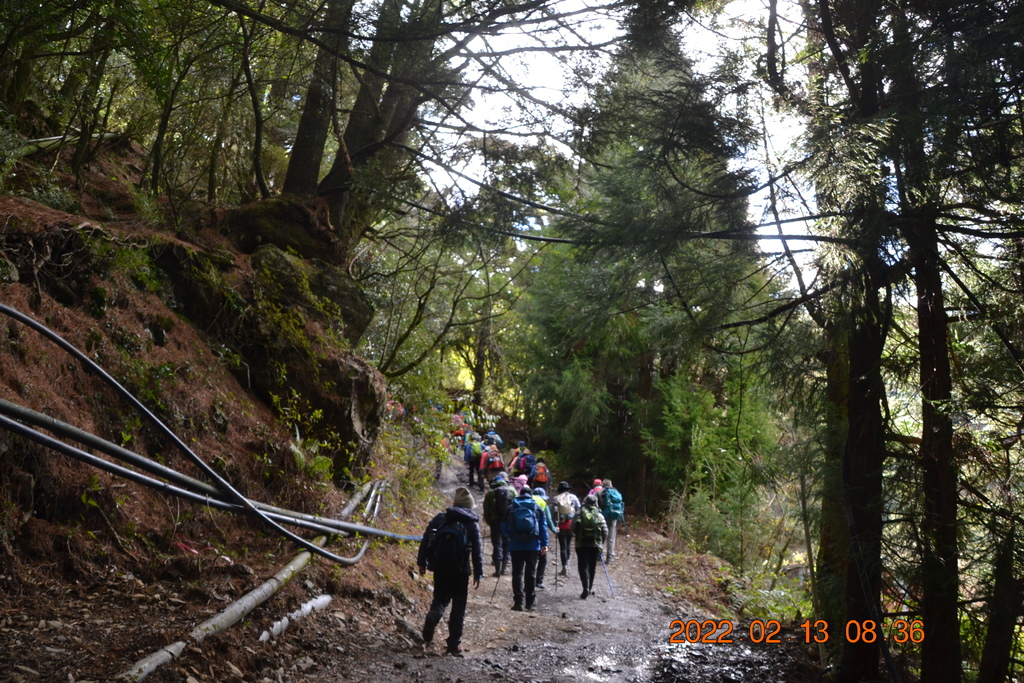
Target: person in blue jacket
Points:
(527, 531)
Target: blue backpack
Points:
(613, 507)
(524, 525)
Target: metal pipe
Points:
(317, 523)
(224, 485)
(334, 530)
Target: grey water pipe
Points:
(316, 523)
(350, 506)
(199, 462)
(191, 496)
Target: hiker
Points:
(614, 511)
(495, 439)
(472, 451)
(496, 504)
(528, 539)
(491, 464)
(590, 530)
(520, 447)
(451, 539)
(539, 475)
(566, 505)
(597, 489)
(519, 483)
(540, 496)
(523, 463)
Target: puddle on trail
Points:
(617, 664)
(735, 663)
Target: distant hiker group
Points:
(523, 522)
(484, 461)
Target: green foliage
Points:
(412, 469)
(10, 144)
(48, 191)
(310, 453)
(149, 382)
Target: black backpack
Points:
(500, 499)
(449, 549)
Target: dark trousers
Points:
(499, 546)
(473, 471)
(524, 567)
(586, 562)
(453, 589)
(564, 546)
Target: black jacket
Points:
(471, 522)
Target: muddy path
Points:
(88, 632)
(607, 637)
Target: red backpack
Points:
(541, 477)
(494, 461)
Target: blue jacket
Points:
(538, 542)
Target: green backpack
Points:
(590, 526)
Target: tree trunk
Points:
(862, 477)
(257, 114)
(940, 578)
(380, 115)
(1004, 608)
(834, 539)
(308, 149)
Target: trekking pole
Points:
(600, 556)
(495, 591)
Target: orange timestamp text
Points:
(724, 632)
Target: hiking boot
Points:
(497, 571)
(584, 594)
(530, 606)
(540, 586)
(564, 572)
(518, 607)
(454, 651)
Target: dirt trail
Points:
(620, 637)
(369, 632)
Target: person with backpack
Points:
(523, 463)
(451, 541)
(614, 511)
(496, 504)
(528, 539)
(540, 496)
(472, 452)
(491, 465)
(540, 475)
(590, 531)
(566, 506)
(495, 439)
